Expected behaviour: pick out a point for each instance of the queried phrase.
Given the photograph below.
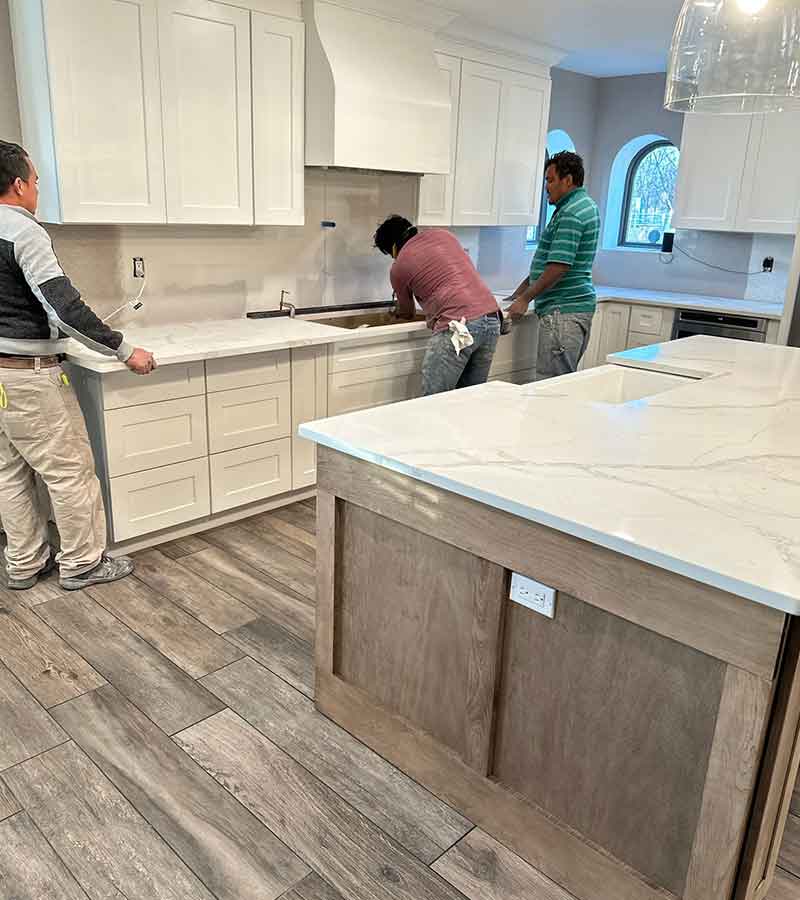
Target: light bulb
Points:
(751, 7)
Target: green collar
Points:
(575, 192)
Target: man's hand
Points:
(518, 308)
(142, 362)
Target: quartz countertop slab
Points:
(193, 341)
(702, 479)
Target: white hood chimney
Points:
(375, 96)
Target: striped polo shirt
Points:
(570, 238)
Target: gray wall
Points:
(9, 113)
(574, 108)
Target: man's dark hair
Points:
(395, 230)
(14, 164)
(567, 163)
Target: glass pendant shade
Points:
(732, 57)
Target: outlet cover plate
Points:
(533, 594)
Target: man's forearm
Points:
(553, 273)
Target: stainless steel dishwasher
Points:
(725, 325)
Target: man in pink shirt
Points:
(434, 268)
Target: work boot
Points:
(106, 570)
(25, 584)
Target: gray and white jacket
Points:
(39, 306)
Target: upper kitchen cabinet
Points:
(278, 120)
(436, 191)
(713, 152)
(770, 203)
(206, 90)
(87, 76)
(726, 179)
(500, 132)
(523, 139)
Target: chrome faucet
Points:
(285, 304)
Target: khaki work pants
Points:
(42, 431)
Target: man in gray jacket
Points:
(41, 426)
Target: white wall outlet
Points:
(533, 594)
(138, 267)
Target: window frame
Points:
(542, 223)
(630, 178)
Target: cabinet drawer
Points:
(647, 319)
(155, 434)
(248, 416)
(160, 498)
(403, 352)
(244, 371)
(253, 473)
(349, 391)
(167, 383)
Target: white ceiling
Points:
(601, 37)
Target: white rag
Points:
(460, 336)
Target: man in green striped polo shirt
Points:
(560, 281)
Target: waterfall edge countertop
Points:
(693, 466)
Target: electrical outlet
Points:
(768, 265)
(533, 594)
(138, 267)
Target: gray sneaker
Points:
(25, 584)
(106, 570)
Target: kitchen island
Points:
(642, 742)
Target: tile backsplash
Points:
(211, 272)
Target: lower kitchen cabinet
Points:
(159, 498)
(622, 326)
(249, 474)
(309, 402)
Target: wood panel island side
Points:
(643, 742)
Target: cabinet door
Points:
(106, 107)
(476, 190)
(436, 191)
(205, 74)
(613, 330)
(710, 172)
(770, 203)
(523, 138)
(246, 416)
(278, 120)
(309, 402)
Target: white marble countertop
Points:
(192, 341)
(702, 479)
(690, 301)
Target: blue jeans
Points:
(563, 338)
(444, 370)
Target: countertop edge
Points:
(781, 602)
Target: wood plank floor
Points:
(158, 741)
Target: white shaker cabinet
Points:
(206, 90)
(712, 161)
(476, 195)
(523, 139)
(770, 198)
(278, 120)
(436, 191)
(90, 104)
(502, 133)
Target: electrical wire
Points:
(712, 266)
(134, 304)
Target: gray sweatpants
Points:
(42, 431)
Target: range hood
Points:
(375, 96)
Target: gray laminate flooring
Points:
(159, 741)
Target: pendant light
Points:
(732, 57)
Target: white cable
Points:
(134, 304)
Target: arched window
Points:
(557, 140)
(649, 195)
